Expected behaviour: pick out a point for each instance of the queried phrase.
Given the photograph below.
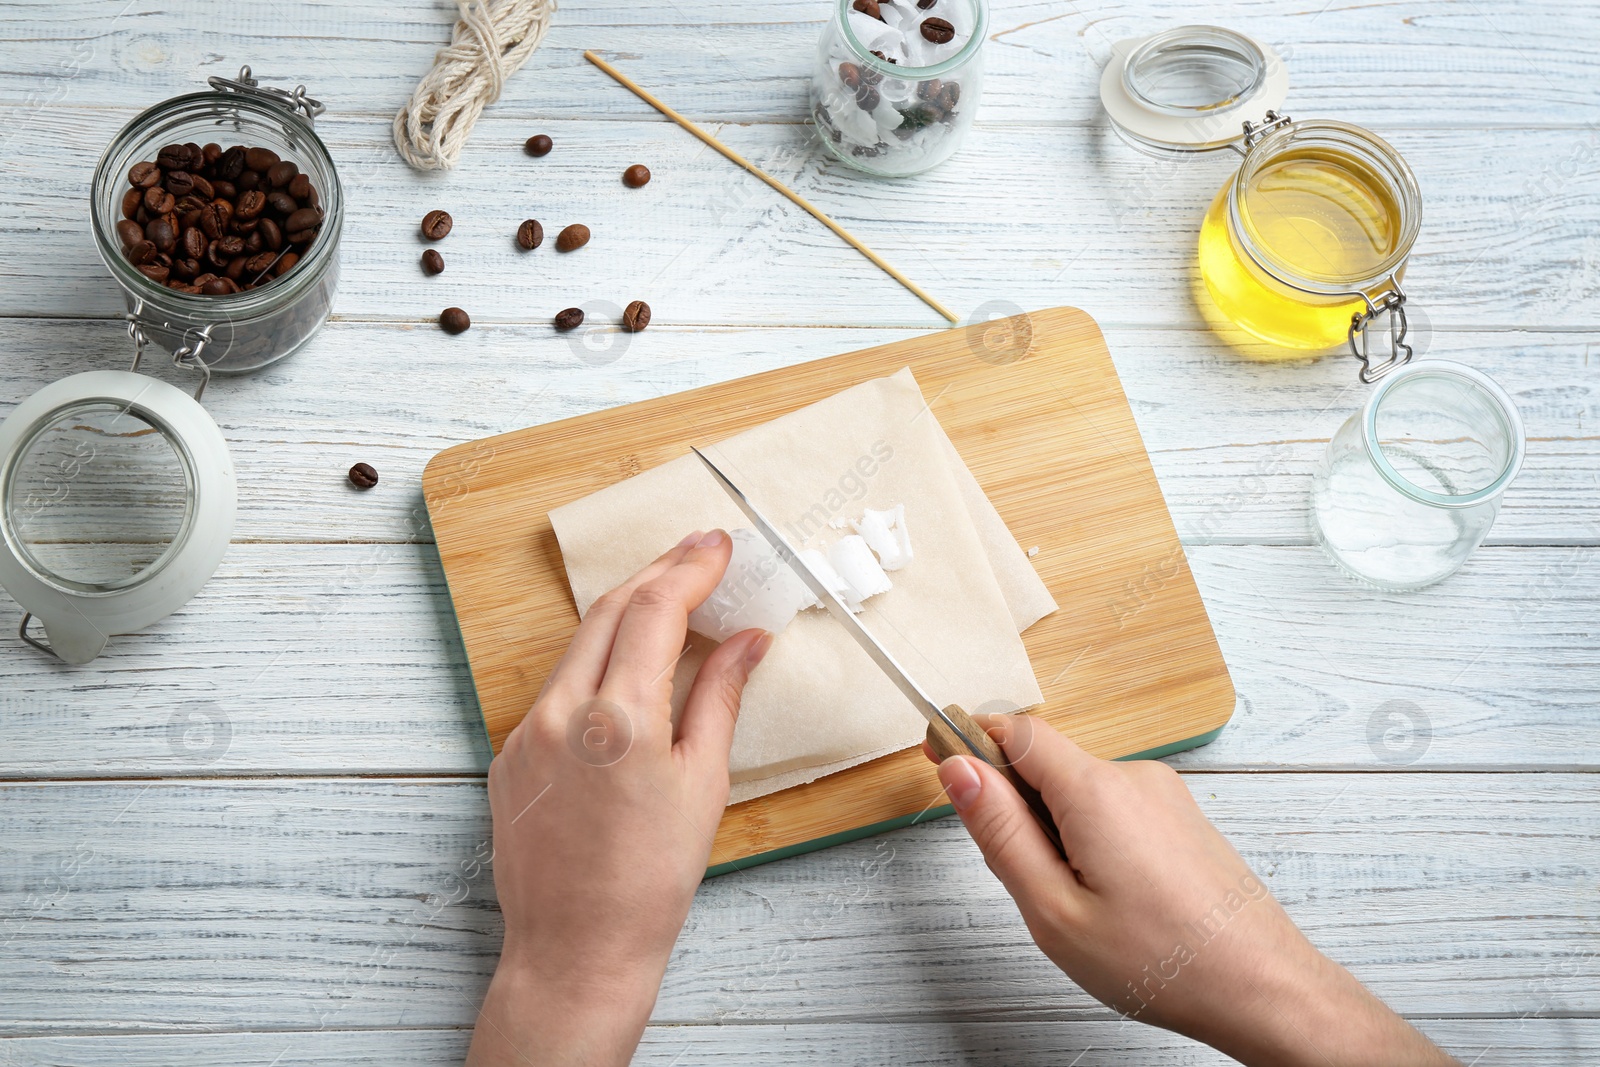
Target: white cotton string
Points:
(490, 42)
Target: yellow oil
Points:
(1315, 213)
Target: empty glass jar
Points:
(887, 99)
(1411, 483)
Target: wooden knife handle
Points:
(946, 742)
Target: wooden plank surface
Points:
(364, 903)
(324, 646)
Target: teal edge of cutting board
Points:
(925, 815)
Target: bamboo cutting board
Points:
(1128, 666)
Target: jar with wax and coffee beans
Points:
(897, 82)
(219, 215)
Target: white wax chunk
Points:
(758, 590)
(886, 534)
(819, 566)
(873, 34)
(853, 559)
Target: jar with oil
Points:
(1316, 223)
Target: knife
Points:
(951, 731)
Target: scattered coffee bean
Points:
(572, 238)
(636, 175)
(569, 319)
(363, 476)
(636, 316)
(436, 225)
(432, 261)
(537, 145)
(530, 235)
(938, 30)
(454, 320)
(868, 8)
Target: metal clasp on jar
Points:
(187, 355)
(1393, 301)
(245, 85)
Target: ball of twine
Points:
(492, 40)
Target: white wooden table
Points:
(249, 835)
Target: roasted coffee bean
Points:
(173, 157)
(569, 319)
(454, 320)
(270, 233)
(311, 199)
(281, 202)
(572, 238)
(144, 175)
(302, 219)
(923, 5)
(243, 227)
(194, 242)
(530, 235)
(300, 187)
(363, 476)
(247, 181)
(938, 30)
(203, 278)
(129, 233)
(929, 90)
(156, 272)
(132, 201)
(250, 205)
(636, 175)
(281, 173)
(432, 261)
(537, 145)
(303, 238)
(255, 242)
(224, 190)
(235, 269)
(160, 234)
(158, 201)
(219, 287)
(212, 223)
(883, 57)
(230, 246)
(202, 187)
(435, 225)
(285, 264)
(868, 8)
(179, 183)
(948, 97)
(261, 159)
(636, 316)
(215, 257)
(259, 263)
(211, 153)
(184, 287)
(185, 269)
(867, 97)
(231, 165)
(850, 74)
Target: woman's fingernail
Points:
(711, 539)
(691, 539)
(960, 780)
(757, 651)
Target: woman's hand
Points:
(604, 816)
(1156, 915)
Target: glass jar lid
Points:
(1191, 89)
(117, 500)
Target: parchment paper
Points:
(818, 703)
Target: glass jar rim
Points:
(974, 42)
(1511, 424)
(1386, 162)
(1236, 45)
(232, 306)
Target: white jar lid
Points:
(1191, 89)
(117, 501)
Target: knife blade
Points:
(950, 729)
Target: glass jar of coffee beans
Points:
(219, 214)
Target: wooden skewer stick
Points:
(793, 196)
